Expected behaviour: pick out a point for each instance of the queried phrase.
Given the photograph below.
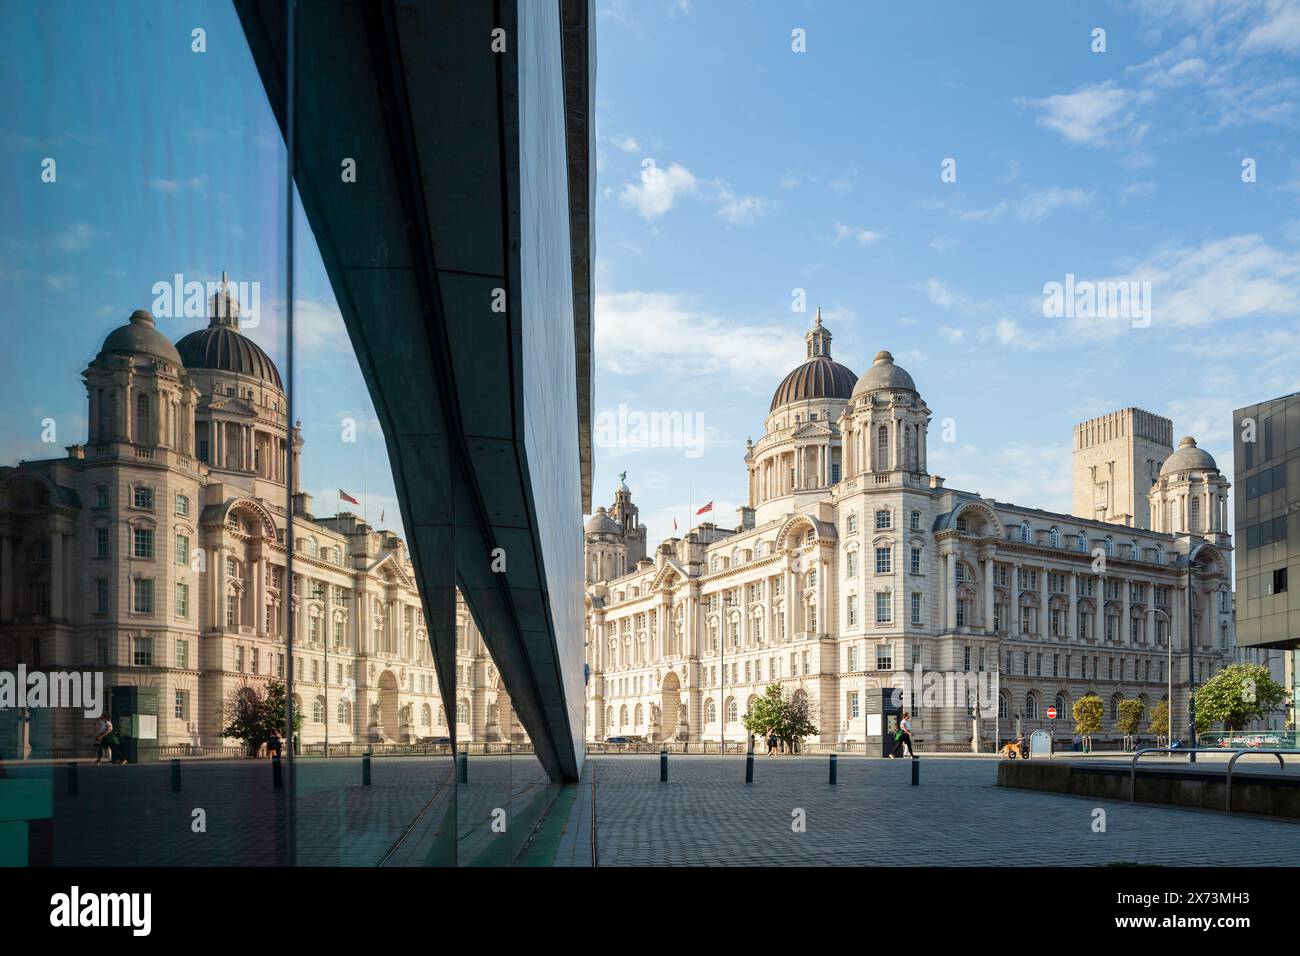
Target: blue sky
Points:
(776, 171)
(821, 171)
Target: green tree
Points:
(1130, 716)
(767, 712)
(1087, 717)
(789, 717)
(258, 718)
(1159, 723)
(1237, 695)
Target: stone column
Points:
(1072, 624)
(7, 584)
(1125, 624)
(259, 604)
(950, 589)
(989, 593)
(57, 604)
(1043, 629)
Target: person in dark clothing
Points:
(903, 738)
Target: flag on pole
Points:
(674, 524)
(347, 497)
(381, 515)
(708, 507)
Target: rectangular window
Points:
(182, 549)
(851, 564)
(916, 560)
(101, 595)
(854, 712)
(143, 497)
(884, 607)
(182, 711)
(882, 519)
(256, 661)
(851, 655)
(142, 655)
(965, 658)
(182, 505)
(143, 543)
(884, 657)
(239, 658)
(916, 521)
(142, 596)
(1056, 665)
(230, 610)
(883, 563)
(853, 611)
(916, 655)
(101, 542)
(182, 654)
(182, 600)
(916, 607)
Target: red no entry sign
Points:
(1051, 713)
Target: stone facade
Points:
(156, 554)
(851, 564)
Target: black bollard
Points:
(72, 779)
(916, 770)
(834, 768)
(176, 776)
(749, 768)
(365, 770)
(277, 778)
(663, 766)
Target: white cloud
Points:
(1280, 32)
(658, 190)
(740, 210)
(636, 331)
(863, 237)
(627, 144)
(1041, 203)
(1091, 115)
(1037, 474)
(944, 243)
(75, 238)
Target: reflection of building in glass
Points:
(156, 554)
(852, 564)
(1267, 474)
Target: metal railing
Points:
(1232, 761)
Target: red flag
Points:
(347, 497)
(708, 507)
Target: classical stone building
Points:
(155, 553)
(852, 568)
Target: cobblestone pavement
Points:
(129, 816)
(706, 815)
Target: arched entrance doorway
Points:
(671, 696)
(389, 719)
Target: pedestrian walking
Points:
(903, 737)
(103, 746)
(771, 741)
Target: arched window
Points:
(426, 716)
(1081, 542)
(1062, 707)
(710, 711)
(732, 712)
(1114, 707)
(1109, 544)
(1054, 536)
(462, 711)
(1024, 532)
(1160, 554)
(318, 710)
(1031, 706)
(882, 448)
(637, 716)
(1195, 516)
(852, 524)
(1136, 552)
(1003, 707)
(345, 712)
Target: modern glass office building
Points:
(297, 435)
(1267, 481)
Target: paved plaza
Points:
(415, 809)
(707, 815)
